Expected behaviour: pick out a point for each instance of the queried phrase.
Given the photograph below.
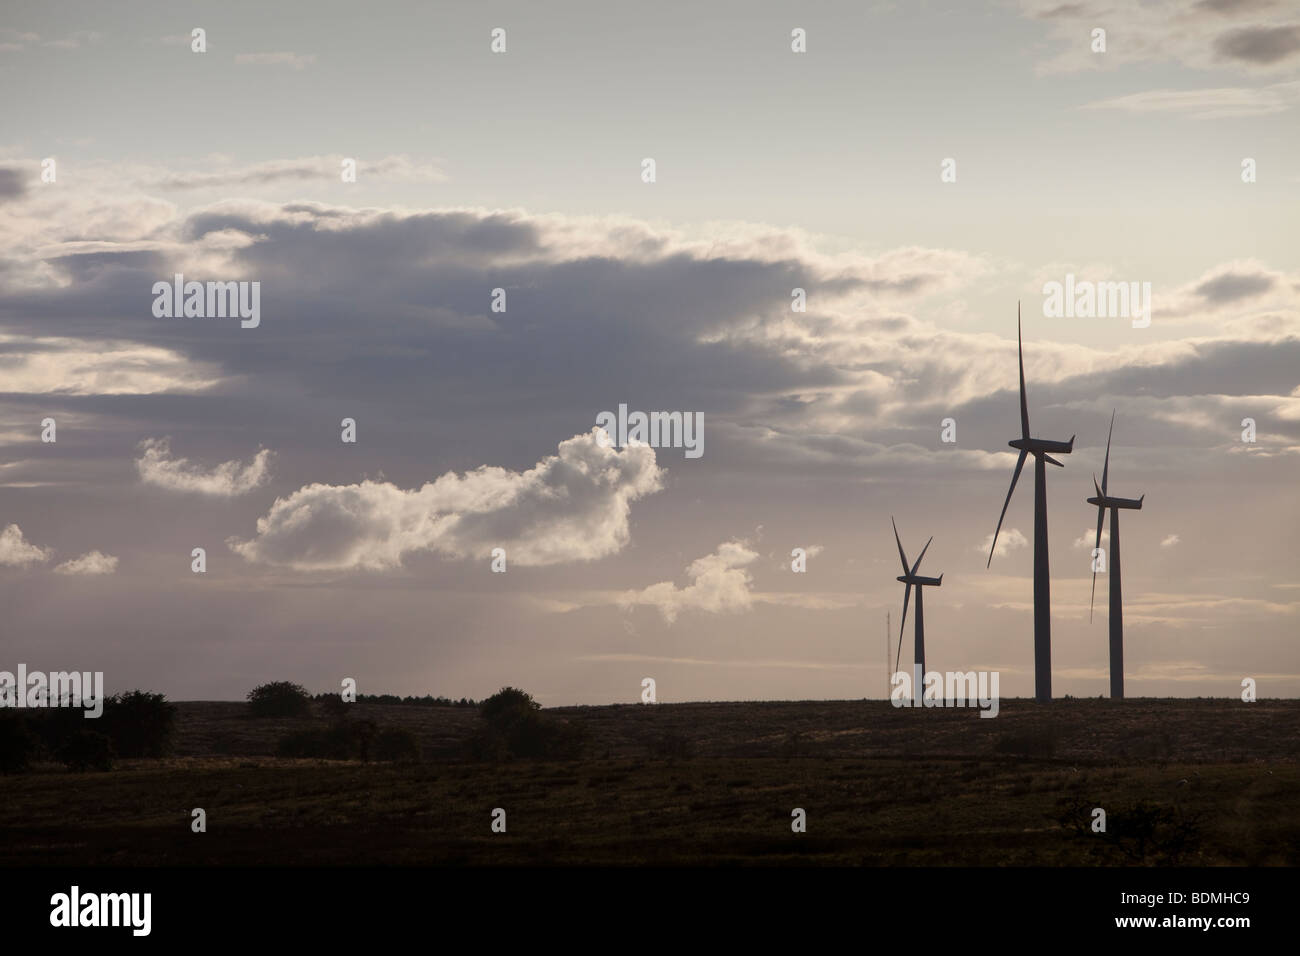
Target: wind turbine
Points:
(1116, 505)
(911, 578)
(1041, 449)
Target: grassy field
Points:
(1191, 782)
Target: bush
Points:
(516, 728)
(397, 744)
(333, 705)
(342, 740)
(87, 750)
(279, 699)
(139, 724)
(507, 706)
(17, 744)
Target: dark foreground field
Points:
(1189, 782)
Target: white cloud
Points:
(1088, 540)
(16, 551)
(719, 582)
(1008, 540)
(571, 506)
(284, 58)
(1170, 541)
(92, 562)
(230, 478)
(395, 168)
(68, 366)
(1221, 103)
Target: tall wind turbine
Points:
(1041, 449)
(910, 578)
(1103, 502)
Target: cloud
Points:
(92, 562)
(397, 168)
(1088, 540)
(1234, 286)
(719, 582)
(75, 40)
(571, 506)
(16, 551)
(230, 478)
(12, 41)
(1206, 104)
(41, 365)
(1239, 34)
(13, 185)
(296, 61)
(1170, 541)
(1008, 540)
(1262, 45)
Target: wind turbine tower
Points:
(1042, 450)
(1105, 502)
(910, 578)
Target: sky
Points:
(920, 170)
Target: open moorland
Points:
(1183, 782)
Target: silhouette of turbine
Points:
(1103, 502)
(1040, 448)
(911, 578)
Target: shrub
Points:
(342, 740)
(397, 744)
(507, 706)
(87, 750)
(516, 728)
(17, 744)
(279, 699)
(333, 705)
(139, 724)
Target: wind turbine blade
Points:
(1051, 460)
(901, 556)
(1095, 485)
(1105, 471)
(901, 627)
(1024, 402)
(922, 555)
(1101, 516)
(1020, 463)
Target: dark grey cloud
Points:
(1232, 287)
(1234, 6)
(13, 184)
(1259, 45)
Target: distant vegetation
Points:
(279, 698)
(426, 701)
(134, 724)
(514, 727)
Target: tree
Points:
(87, 750)
(507, 706)
(139, 724)
(17, 744)
(515, 727)
(279, 699)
